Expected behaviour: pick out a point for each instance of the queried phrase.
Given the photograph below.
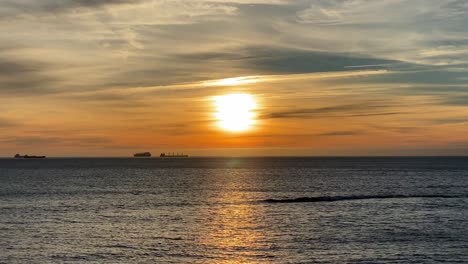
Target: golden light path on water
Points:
(234, 230)
(235, 112)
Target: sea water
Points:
(234, 210)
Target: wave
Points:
(357, 197)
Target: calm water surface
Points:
(219, 210)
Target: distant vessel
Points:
(142, 155)
(18, 156)
(173, 155)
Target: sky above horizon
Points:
(115, 77)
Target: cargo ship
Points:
(18, 156)
(173, 155)
(142, 155)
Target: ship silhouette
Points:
(142, 155)
(173, 155)
(18, 156)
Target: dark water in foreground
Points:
(233, 210)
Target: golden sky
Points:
(311, 77)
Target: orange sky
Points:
(115, 78)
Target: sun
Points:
(235, 111)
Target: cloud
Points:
(456, 120)
(339, 133)
(399, 129)
(340, 110)
(24, 77)
(460, 100)
(128, 44)
(21, 7)
(380, 114)
(275, 60)
(405, 30)
(7, 123)
(57, 141)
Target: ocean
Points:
(234, 210)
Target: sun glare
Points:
(235, 111)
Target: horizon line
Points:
(257, 156)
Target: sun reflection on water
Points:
(236, 233)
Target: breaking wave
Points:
(357, 197)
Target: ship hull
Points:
(142, 155)
(18, 156)
(173, 155)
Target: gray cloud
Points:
(25, 77)
(398, 129)
(195, 40)
(302, 61)
(14, 7)
(7, 123)
(276, 60)
(380, 114)
(339, 133)
(461, 100)
(338, 110)
(459, 120)
(61, 141)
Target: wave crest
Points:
(356, 197)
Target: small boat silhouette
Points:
(18, 156)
